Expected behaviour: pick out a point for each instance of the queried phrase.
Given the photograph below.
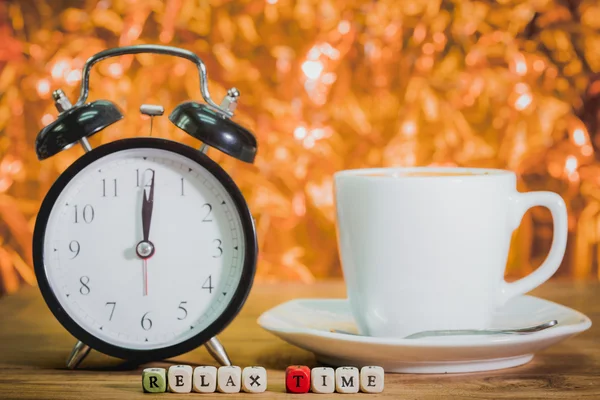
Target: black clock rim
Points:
(248, 270)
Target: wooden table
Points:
(34, 346)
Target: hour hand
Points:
(147, 206)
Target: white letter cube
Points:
(229, 379)
(371, 379)
(346, 380)
(179, 378)
(322, 380)
(254, 379)
(205, 379)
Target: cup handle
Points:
(521, 202)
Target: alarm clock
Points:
(144, 248)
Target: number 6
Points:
(144, 319)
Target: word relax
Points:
(204, 379)
(299, 378)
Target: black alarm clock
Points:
(144, 248)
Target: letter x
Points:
(254, 380)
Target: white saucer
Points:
(307, 323)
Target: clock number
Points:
(84, 289)
(146, 322)
(219, 243)
(104, 188)
(113, 304)
(87, 214)
(210, 287)
(183, 309)
(207, 216)
(137, 174)
(182, 192)
(74, 247)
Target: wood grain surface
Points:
(34, 347)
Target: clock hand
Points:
(145, 248)
(147, 206)
(145, 273)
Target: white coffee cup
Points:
(426, 248)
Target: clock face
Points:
(144, 248)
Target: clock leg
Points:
(79, 352)
(216, 349)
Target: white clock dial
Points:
(90, 241)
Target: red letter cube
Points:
(297, 379)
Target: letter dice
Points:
(205, 379)
(371, 379)
(346, 380)
(179, 378)
(154, 380)
(254, 379)
(229, 379)
(297, 379)
(322, 380)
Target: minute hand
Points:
(147, 205)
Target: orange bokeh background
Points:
(325, 85)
